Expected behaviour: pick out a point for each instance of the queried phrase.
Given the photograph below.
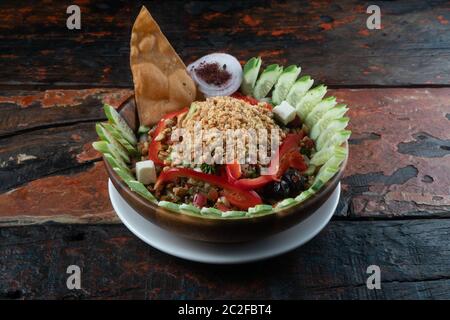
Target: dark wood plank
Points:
(30, 110)
(397, 168)
(39, 153)
(50, 132)
(328, 39)
(77, 195)
(412, 255)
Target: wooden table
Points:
(395, 207)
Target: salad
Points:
(304, 142)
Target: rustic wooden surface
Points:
(395, 201)
(413, 256)
(328, 38)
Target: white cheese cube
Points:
(284, 112)
(146, 172)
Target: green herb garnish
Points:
(208, 168)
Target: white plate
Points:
(224, 253)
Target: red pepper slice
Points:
(254, 183)
(288, 156)
(155, 146)
(238, 197)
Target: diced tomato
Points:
(200, 200)
(212, 194)
(222, 207)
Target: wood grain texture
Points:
(22, 111)
(328, 39)
(398, 166)
(50, 132)
(399, 160)
(412, 255)
(399, 152)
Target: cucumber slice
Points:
(322, 156)
(234, 214)
(189, 208)
(304, 195)
(106, 136)
(299, 89)
(332, 127)
(169, 205)
(336, 160)
(192, 109)
(309, 100)
(266, 80)
(105, 147)
(319, 110)
(115, 118)
(323, 177)
(213, 212)
(115, 164)
(286, 203)
(116, 134)
(332, 137)
(143, 129)
(125, 175)
(141, 190)
(260, 209)
(332, 114)
(250, 74)
(317, 185)
(284, 83)
(310, 171)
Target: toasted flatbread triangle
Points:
(161, 83)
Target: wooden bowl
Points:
(217, 229)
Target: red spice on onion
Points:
(216, 74)
(212, 73)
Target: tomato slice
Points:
(282, 161)
(239, 197)
(297, 161)
(250, 100)
(288, 156)
(233, 171)
(155, 146)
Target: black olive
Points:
(290, 185)
(281, 189)
(296, 181)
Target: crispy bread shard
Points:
(161, 83)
